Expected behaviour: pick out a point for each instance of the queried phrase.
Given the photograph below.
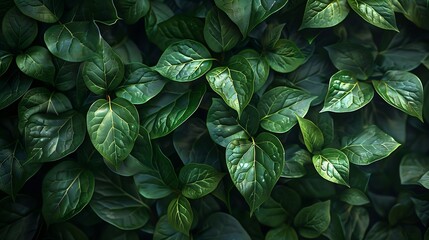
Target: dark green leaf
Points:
(164, 231)
(74, 41)
(369, 146)
(12, 87)
(332, 165)
(355, 221)
(234, 83)
(312, 135)
(48, 11)
(113, 127)
(184, 61)
(113, 233)
(346, 93)
(141, 83)
(180, 214)
(422, 210)
(239, 11)
(271, 213)
(296, 158)
(313, 220)
(382, 230)
(285, 56)
(222, 226)
(128, 51)
(412, 168)
(324, 13)
(5, 61)
(107, 14)
(402, 90)
(168, 110)
(260, 67)
(262, 9)
(220, 33)
(19, 31)
(132, 10)
(198, 180)
(255, 166)
(65, 231)
(67, 74)
(272, 34)
(378, 13)
(280, 106)
(284, 232)
(37, 63)
(354, 196)
(49, 137)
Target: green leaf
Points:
(285, 56)
(313, 220)
(107, 14)
(180, 214)
(49, 137)
(255, 166)
(113, 126)
(239, 11)
(128, 51)
(132, 10)
(271, 213)
(354, 196)
(164, 231)
(37, 63)
(117, 201)
(312, 135)
(272, 34)
(234, 83)
(222, 226)
(19, 217)
(19, 31)
(413, 168)
(12, 87)
(65, 231)
(262, 9)
(48, 11)
(379, 13)
(141, 83)
(280, 106)
(346, 93)
(67, 189)
(220, 33)
(198, 180)
(74, 41)
(284, 232)
(402, 90)
(354, 221)
(424, 180)
(158, 178)
(352, 57)
(103, 72)
(296, 158)
(224, 125)
(112, 233)
(260, 67)
(184, 61)
(332, 165)
(422, 209)
(5, 61)
(369, 146)
(67, 74)
(169, 109)
(324, 13)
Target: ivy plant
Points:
(214, 119)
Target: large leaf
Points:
(413, 168)
(164, 231)
(103, 72)
(220, 33)
(132, 10)
(141, 83)
(280, 106)
(285, 56)
(255, 166)
(49, 137)
(346, 93)
(198, 180)
(74, 41)
(262, 9)
(239, 11)
(332, 165)
(48, 11)
(312, 135)
(167, 111)
(403, 90)
(117, 201)
(369, 146)
(184, 61)
(222, 226)
(37, 63)
(379, 13)
(234, 83)
(113, 126)
(19, 31)
(180, 214)
(324, 13)
(260, 67)
(313, 220)
(67, 189)
(5, 61)
(12, 87)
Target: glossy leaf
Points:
(413, 168)
(132, 10)
(285, 56)
(164, 231)
(260, 67)
(332, 165)
(234, 83)
(262, 9)
(346, 93)
(378, 13)
(239, 11)
(324, 13)
(284, 232)
(37, 63)
(19, 31)
(198, 180)
(48, 11)
(184, 61)
(296, 158)
(313, 220)
(5, 61)
(369, 146)
(255, 166)
(402, 90)
(312, 135)
(280, 106)
(220, 33)
(222, 226)
(180, 214)
(67, 189)
(67, 74)
(12, 87)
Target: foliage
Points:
(224, 119)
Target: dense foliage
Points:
(224, 119)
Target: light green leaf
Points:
(312, 135)
(285, 56)
(222, 226)
(260, 67)
(313, 220)
(5, 61)
(324, 13)
(184, 61)
(255, 166)
(220, 33)
(132, 10)
(332, 165)
(48, 11)
(262, 9)
(37, 63)
(354, 196)
(413, 168)
(164, 231)
(239, 11)
(369, 146)
(402, 90)
(198, 180)
(113, 127)
(19, 31)
(12, 87)
(379, 13)
(67, 189)
(280, 106)
(284, 232)
(234, 83)
(180, 214)
(346, 93)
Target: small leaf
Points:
(272, 34)
(324, 13)
(313, 220)
(260, 67)
(184, 61)
(19, 31)
(424, 180)
(67, 189)
(332, 165)
(354, 196)
(164, 231)
(412, 168)
(285, 56)
(37, 63)
(312, 135)
(284, 232)
(402, 90)
(132, 10)
(12, 87)
(180, 214)
(198, 180)
(48, 11)
(220, 33)
(346, 93)
(379, 13)
(239, 11)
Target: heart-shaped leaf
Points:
(198, 180)
(333, 165)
